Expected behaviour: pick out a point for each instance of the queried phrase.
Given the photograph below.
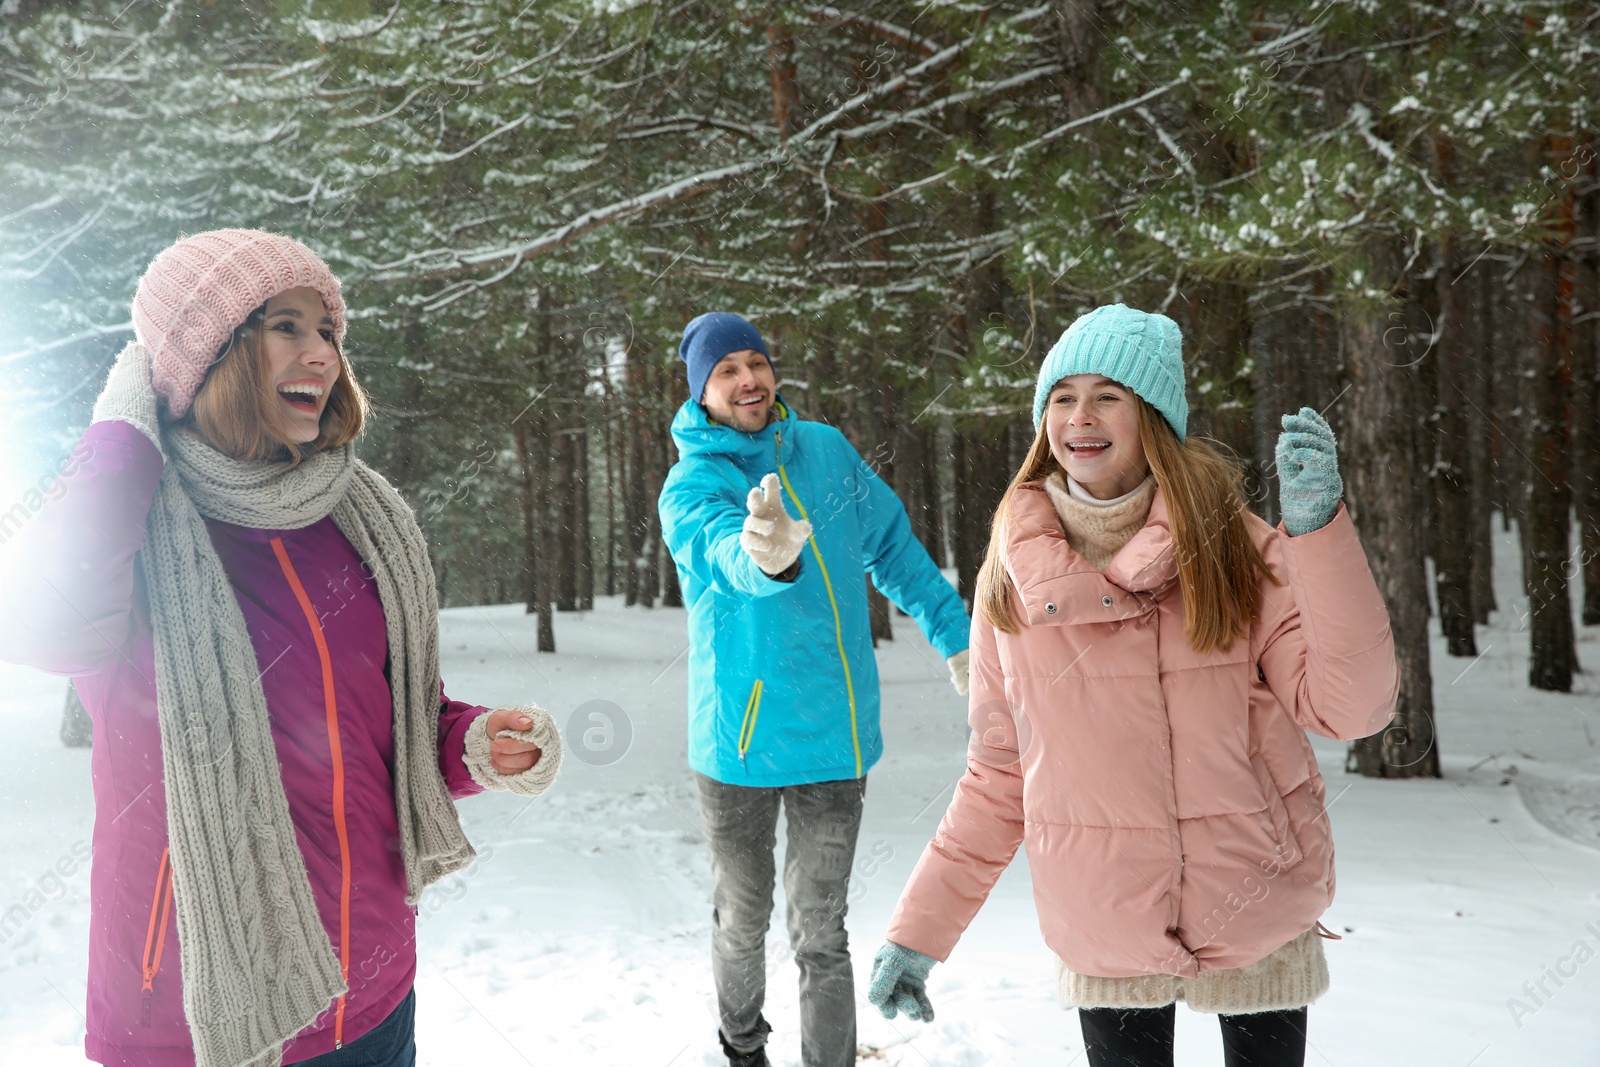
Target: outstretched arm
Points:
(702, 522)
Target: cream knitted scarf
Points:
(1097, 531)
(257, 964)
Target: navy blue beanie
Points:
(711, 336)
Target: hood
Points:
(696, 435)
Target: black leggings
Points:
(1142, 1037)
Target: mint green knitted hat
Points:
(1134, 348)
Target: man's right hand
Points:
(770, 536)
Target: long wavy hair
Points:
(236, 410)
(1220, 569)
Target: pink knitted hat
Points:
(196, 293)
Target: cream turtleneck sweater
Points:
(1293, 975)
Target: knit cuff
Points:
(534, 780)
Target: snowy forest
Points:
(1385, 210)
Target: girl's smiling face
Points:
(1093, 426)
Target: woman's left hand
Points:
(1309, 486)
(507, 754)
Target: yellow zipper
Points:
(838, 626)
(747, 728)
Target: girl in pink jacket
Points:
(248, 612)
(1146, 654)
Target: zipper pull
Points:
(144, 1012)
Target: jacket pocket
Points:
(747, 726)
(155, 938)
(1276, 818)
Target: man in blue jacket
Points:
(783, 687)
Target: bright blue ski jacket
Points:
(783, 686)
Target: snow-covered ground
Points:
(582, 935)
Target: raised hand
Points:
(129, 395)
(1309, 486)
(770, 536)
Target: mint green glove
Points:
(1309, 486)
(900, 982)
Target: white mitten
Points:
(771, 537)
(129, 396)
(960, 669)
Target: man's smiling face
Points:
(741, 391)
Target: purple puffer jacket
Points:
(72, 601)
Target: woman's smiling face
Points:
(1093, 426)
(302, 363)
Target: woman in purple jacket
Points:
(249, 615)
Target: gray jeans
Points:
(742, 825)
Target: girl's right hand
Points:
(900, 982)
(129, 395)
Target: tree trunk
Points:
(785, 85)
(563, 499)
(981, 478)
(1079, 43)
(402, 464)
(1585, 474)
(1219, 357)
(585, 533)
(535, 498)
(637, 505)
(878, 612)
(918, 483)
(533, 449)
(1384, 493)
(1481, 440)
(671, 591)
(608, 445)
(1545, 504)
(663, 572)
(1451, 467)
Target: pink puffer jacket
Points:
(1170, 802)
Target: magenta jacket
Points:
(72, 601)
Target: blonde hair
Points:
(1219, 566)
(236, 410)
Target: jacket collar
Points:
(1056, 585)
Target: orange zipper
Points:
(155, 938)
(336, 750)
